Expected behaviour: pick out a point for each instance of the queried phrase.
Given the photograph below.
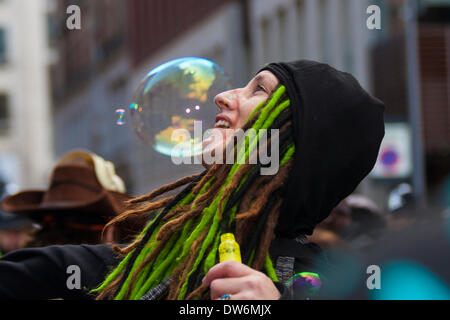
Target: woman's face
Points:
(236, 106)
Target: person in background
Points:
(327, 233)
(84, 193)
(401, 205)
(15, 232)
(368, 223)
(355, 223)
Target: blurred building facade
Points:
(390, 83)
(26, 147)
(241, 36)
(146, 34)
(120, 41)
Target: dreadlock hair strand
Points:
(164, 189)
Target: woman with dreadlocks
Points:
(330, 131)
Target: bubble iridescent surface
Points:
(174, 95)
(304, 284)
(120, 117)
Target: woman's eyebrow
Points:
(259, 78)
(262, 80)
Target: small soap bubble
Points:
(304, 284)
(120, 117)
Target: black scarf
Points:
(338, 128)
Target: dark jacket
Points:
(42, 273)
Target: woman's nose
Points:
(223, 101)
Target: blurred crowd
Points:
(85, 193)
(357, 222)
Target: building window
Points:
(282, 36)
(301, 27)
(266, 40)
(346, 29)
(4, 113)
(322, 32)
(2, 45)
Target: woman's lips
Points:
(222, 124)
(222, 121)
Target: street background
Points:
(60, 88)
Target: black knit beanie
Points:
(338, 128)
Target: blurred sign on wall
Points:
(395, 156)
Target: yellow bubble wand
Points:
(229, 248)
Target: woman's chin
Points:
(208, 152)
(214, 146)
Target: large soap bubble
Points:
(174, 95)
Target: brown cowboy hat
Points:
(81, 182)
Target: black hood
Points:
(338, 128)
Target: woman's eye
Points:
(260, 88)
